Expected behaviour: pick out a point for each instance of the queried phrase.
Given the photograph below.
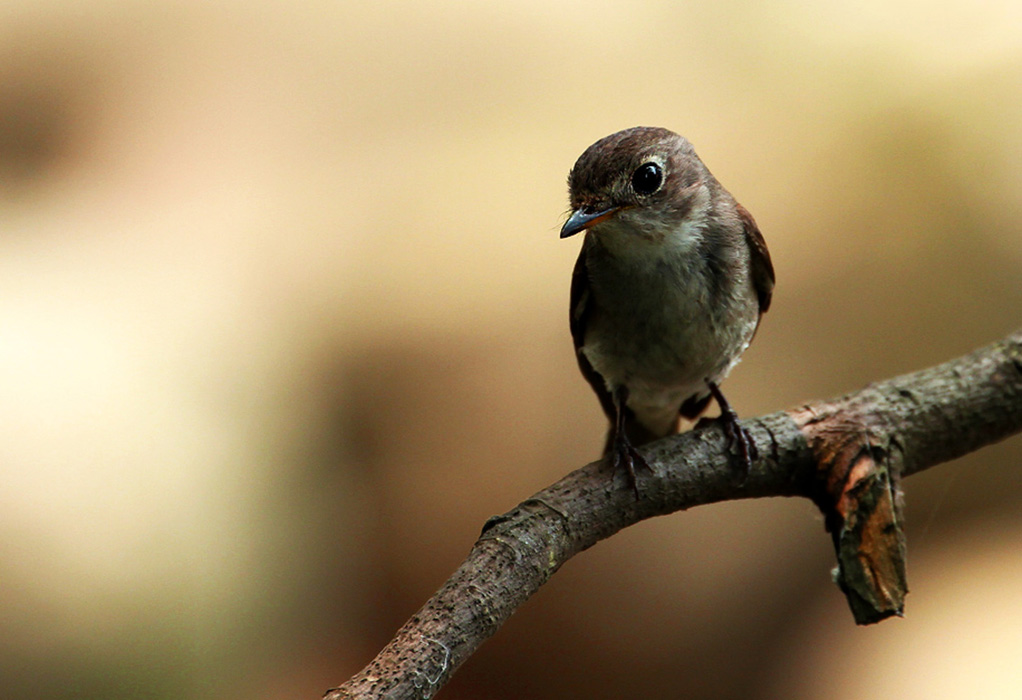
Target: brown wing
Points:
(762, 268)
(581, 308)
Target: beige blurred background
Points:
(283, 321)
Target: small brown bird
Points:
(668, 290)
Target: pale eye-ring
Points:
(647, 178)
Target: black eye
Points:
(647, 178)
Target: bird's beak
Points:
(584, 218)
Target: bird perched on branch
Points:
(669, 288)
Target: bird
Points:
(669, 288)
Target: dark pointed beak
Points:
(584, 218)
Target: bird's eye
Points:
(647, 178)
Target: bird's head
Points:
(644, 183)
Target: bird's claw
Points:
(738, 441)
(624, 455)
(737, 436)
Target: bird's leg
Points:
(622, 451)
(737, 436)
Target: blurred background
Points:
(283, 320)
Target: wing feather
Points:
(581, 310)
(762, 268)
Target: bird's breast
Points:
(663, 325)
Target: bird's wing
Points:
(762, 268)
(581, 310)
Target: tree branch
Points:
(848, 455)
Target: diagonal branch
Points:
(848, 455)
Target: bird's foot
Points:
(738, 438)
(622, 454)
(738, 441)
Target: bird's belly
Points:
(664, 348)
(665, 354)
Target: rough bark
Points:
(848, 455)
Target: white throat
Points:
(635, 233)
